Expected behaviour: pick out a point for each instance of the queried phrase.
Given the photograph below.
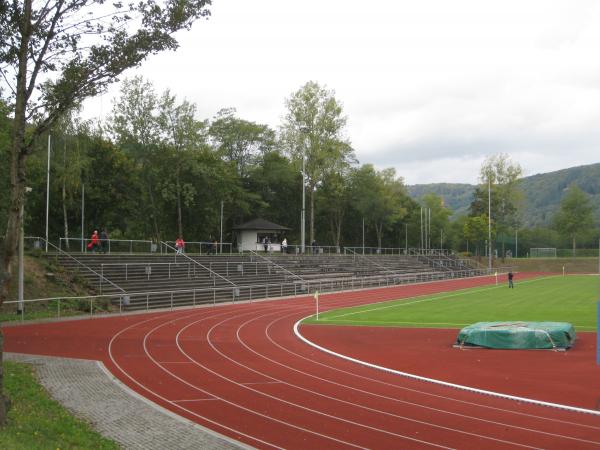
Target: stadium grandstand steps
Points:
(143, 281)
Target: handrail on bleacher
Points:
(277, 265)
(62, 252)
(198, 263)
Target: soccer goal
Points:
(542, 252)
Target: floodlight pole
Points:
(21, 284)
(303, 214)
(429, 230)
(489, 222)
(363, 235)
(82, 215)
(421, 228)
(221, 239)
(303, 130)
(48, 192)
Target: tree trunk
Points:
(4, 401)
(338, 231)
(335, 226)
(379, 232)
(179, 221)
(152, 209)
(573, 246)
(18, 158)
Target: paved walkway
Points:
(88, 390)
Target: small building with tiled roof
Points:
(251, 235)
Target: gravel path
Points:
(89, 391)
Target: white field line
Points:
(433, 324)
(429, 299)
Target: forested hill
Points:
(543, 192)
(457, 196)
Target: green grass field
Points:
(558, 299)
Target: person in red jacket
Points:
(94, 244)
(179, 245)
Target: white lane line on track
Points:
(441, 411)
(232, 403)
(339, 303)
(294, 404)
(432, 395)
(442, 383)
(472, 434)
(174, 362)
(176, 405)
(336, 369)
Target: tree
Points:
(312, 130)
(181, 134)
(377, 196)
(500, 175)
(276, 180)
(439, 216)
(55, 54)
(575, 214)
(335, 198)
(476, 230)
(240, 141)
(134, 126)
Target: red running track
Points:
(241, 371)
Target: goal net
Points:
(542, 252)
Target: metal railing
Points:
(101, 277)
(278, 266)
(376, 250)
(118, 303)
(112, 245)
(297, 249)
(148, 268)
(198, 247)
(183, 255)
(368, 260)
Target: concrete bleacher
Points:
(150, 281)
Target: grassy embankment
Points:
(44, 279)
(35, 421)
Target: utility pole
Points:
(48, 192)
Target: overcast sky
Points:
(430, 87)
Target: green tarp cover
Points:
(518, 335)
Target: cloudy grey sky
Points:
(430, 87)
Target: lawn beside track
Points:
(35, 421)
(552, 298)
